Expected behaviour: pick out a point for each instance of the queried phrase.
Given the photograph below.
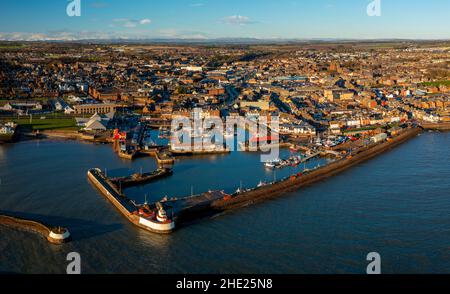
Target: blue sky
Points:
(293, 19)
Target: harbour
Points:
(326, 214)
(214, 202)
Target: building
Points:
(110, 94)
(101, 108)
(96, 122)
(262, 105)
(302, 129)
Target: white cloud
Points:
(237, 20)
(145, 21)
(177, 34)
(196, 4)
(130, 23)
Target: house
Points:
(298, 129)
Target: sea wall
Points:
(437, 126)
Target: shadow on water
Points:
(185, 167)
(79, 229)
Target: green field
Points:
(48, 124)
(4, 46)
(436, 84)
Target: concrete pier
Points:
(127, 207)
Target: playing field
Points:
(48, 124)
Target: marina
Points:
(213, 202)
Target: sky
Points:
(211, 19)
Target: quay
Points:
(152, 218)
(54, 235)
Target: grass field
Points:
(436, 84)
(11, 46)
(48, 124)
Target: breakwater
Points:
(54, 235)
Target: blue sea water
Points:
(397, 204)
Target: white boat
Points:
(273, 163)
(261, 184)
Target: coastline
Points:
(187, 214)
